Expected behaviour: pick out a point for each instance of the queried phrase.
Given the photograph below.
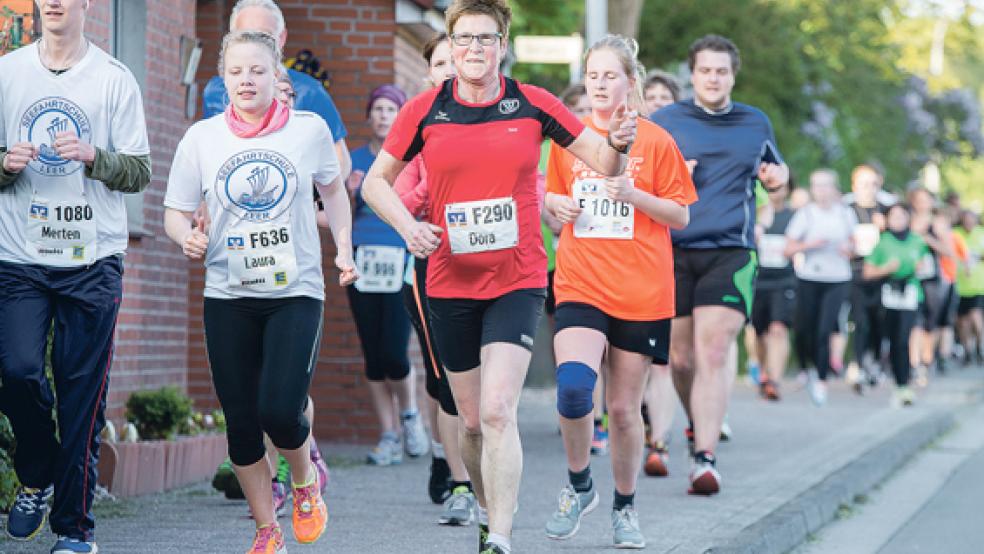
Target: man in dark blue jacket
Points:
(725, 143)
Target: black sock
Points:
(623, 500)
(597, 422)
(581, 480)
(456, 484)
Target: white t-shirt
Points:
(266, 180)
(99, 99)
(835, 225)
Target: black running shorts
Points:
(649, 338)
(714, 277)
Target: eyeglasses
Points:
(485, 39)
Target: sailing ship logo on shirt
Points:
(257, 185)
(41, 124)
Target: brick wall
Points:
(152, 332)
(355, 40)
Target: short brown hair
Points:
(714, 43)
(431, 45)
(572, 94)
(657, 77)
(496, 9)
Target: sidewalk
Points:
(785, 472)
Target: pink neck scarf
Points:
(274, 120)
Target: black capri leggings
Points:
(818, 307)
(262, 353)
(898, 326)
(415, 301)
(384, 332)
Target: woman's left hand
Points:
(346, 264)
(619, 188)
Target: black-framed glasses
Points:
(485, 39)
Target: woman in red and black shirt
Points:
(479, 135)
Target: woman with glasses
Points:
(480, 136)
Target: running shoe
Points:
(459, 508)
(415, 438)
(269, 539)
(225, 481)
(68, 545)
(726, 431)
(657, 460)
(29, 513)
(571, 507)
(387, 452)
(310, 512)
(279, 498)
(492, 549)
(818, 391)
(769, 390)
(625, 527)
(599, 442)
(483, 537)
(704, 477)
(903, 397)
(320, 465)
(921, 379)
(754, 374)
(439, 485)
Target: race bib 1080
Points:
(61, 233)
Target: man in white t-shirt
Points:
(72, 142)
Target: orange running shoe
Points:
(656, 461)
(269, 540)
(310, 512)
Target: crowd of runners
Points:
(654, 231)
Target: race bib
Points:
(380, 268)
(482, 225)
(261, 257)
(61, 233)
(601, 217)
(895, 298)
(926, 267)
(866, 237)
(770, 251)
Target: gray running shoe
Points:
(459, 508)
(387, 452)
(571, 507)
(415, 438)
(625, 524)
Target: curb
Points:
(791, 524)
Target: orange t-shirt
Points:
(627, 278)
(948, 264)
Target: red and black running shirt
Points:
(480, 152)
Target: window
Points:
(129, 42)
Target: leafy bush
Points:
(8, 478)
(158, 414)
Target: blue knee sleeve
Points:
(575, 384)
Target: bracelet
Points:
(622, 150)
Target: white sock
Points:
(500, 541)
(437, 448)
(483, 516)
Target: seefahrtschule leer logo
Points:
(256, 185)
(40, 125)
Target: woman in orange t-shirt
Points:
(613, 284)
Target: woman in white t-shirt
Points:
(255, 166)
(820, 233)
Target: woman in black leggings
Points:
(820, 231)
(894, 262)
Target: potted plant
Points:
(173, 448)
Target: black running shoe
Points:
(439, 486)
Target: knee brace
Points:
(575, 384)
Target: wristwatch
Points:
(622, 150)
